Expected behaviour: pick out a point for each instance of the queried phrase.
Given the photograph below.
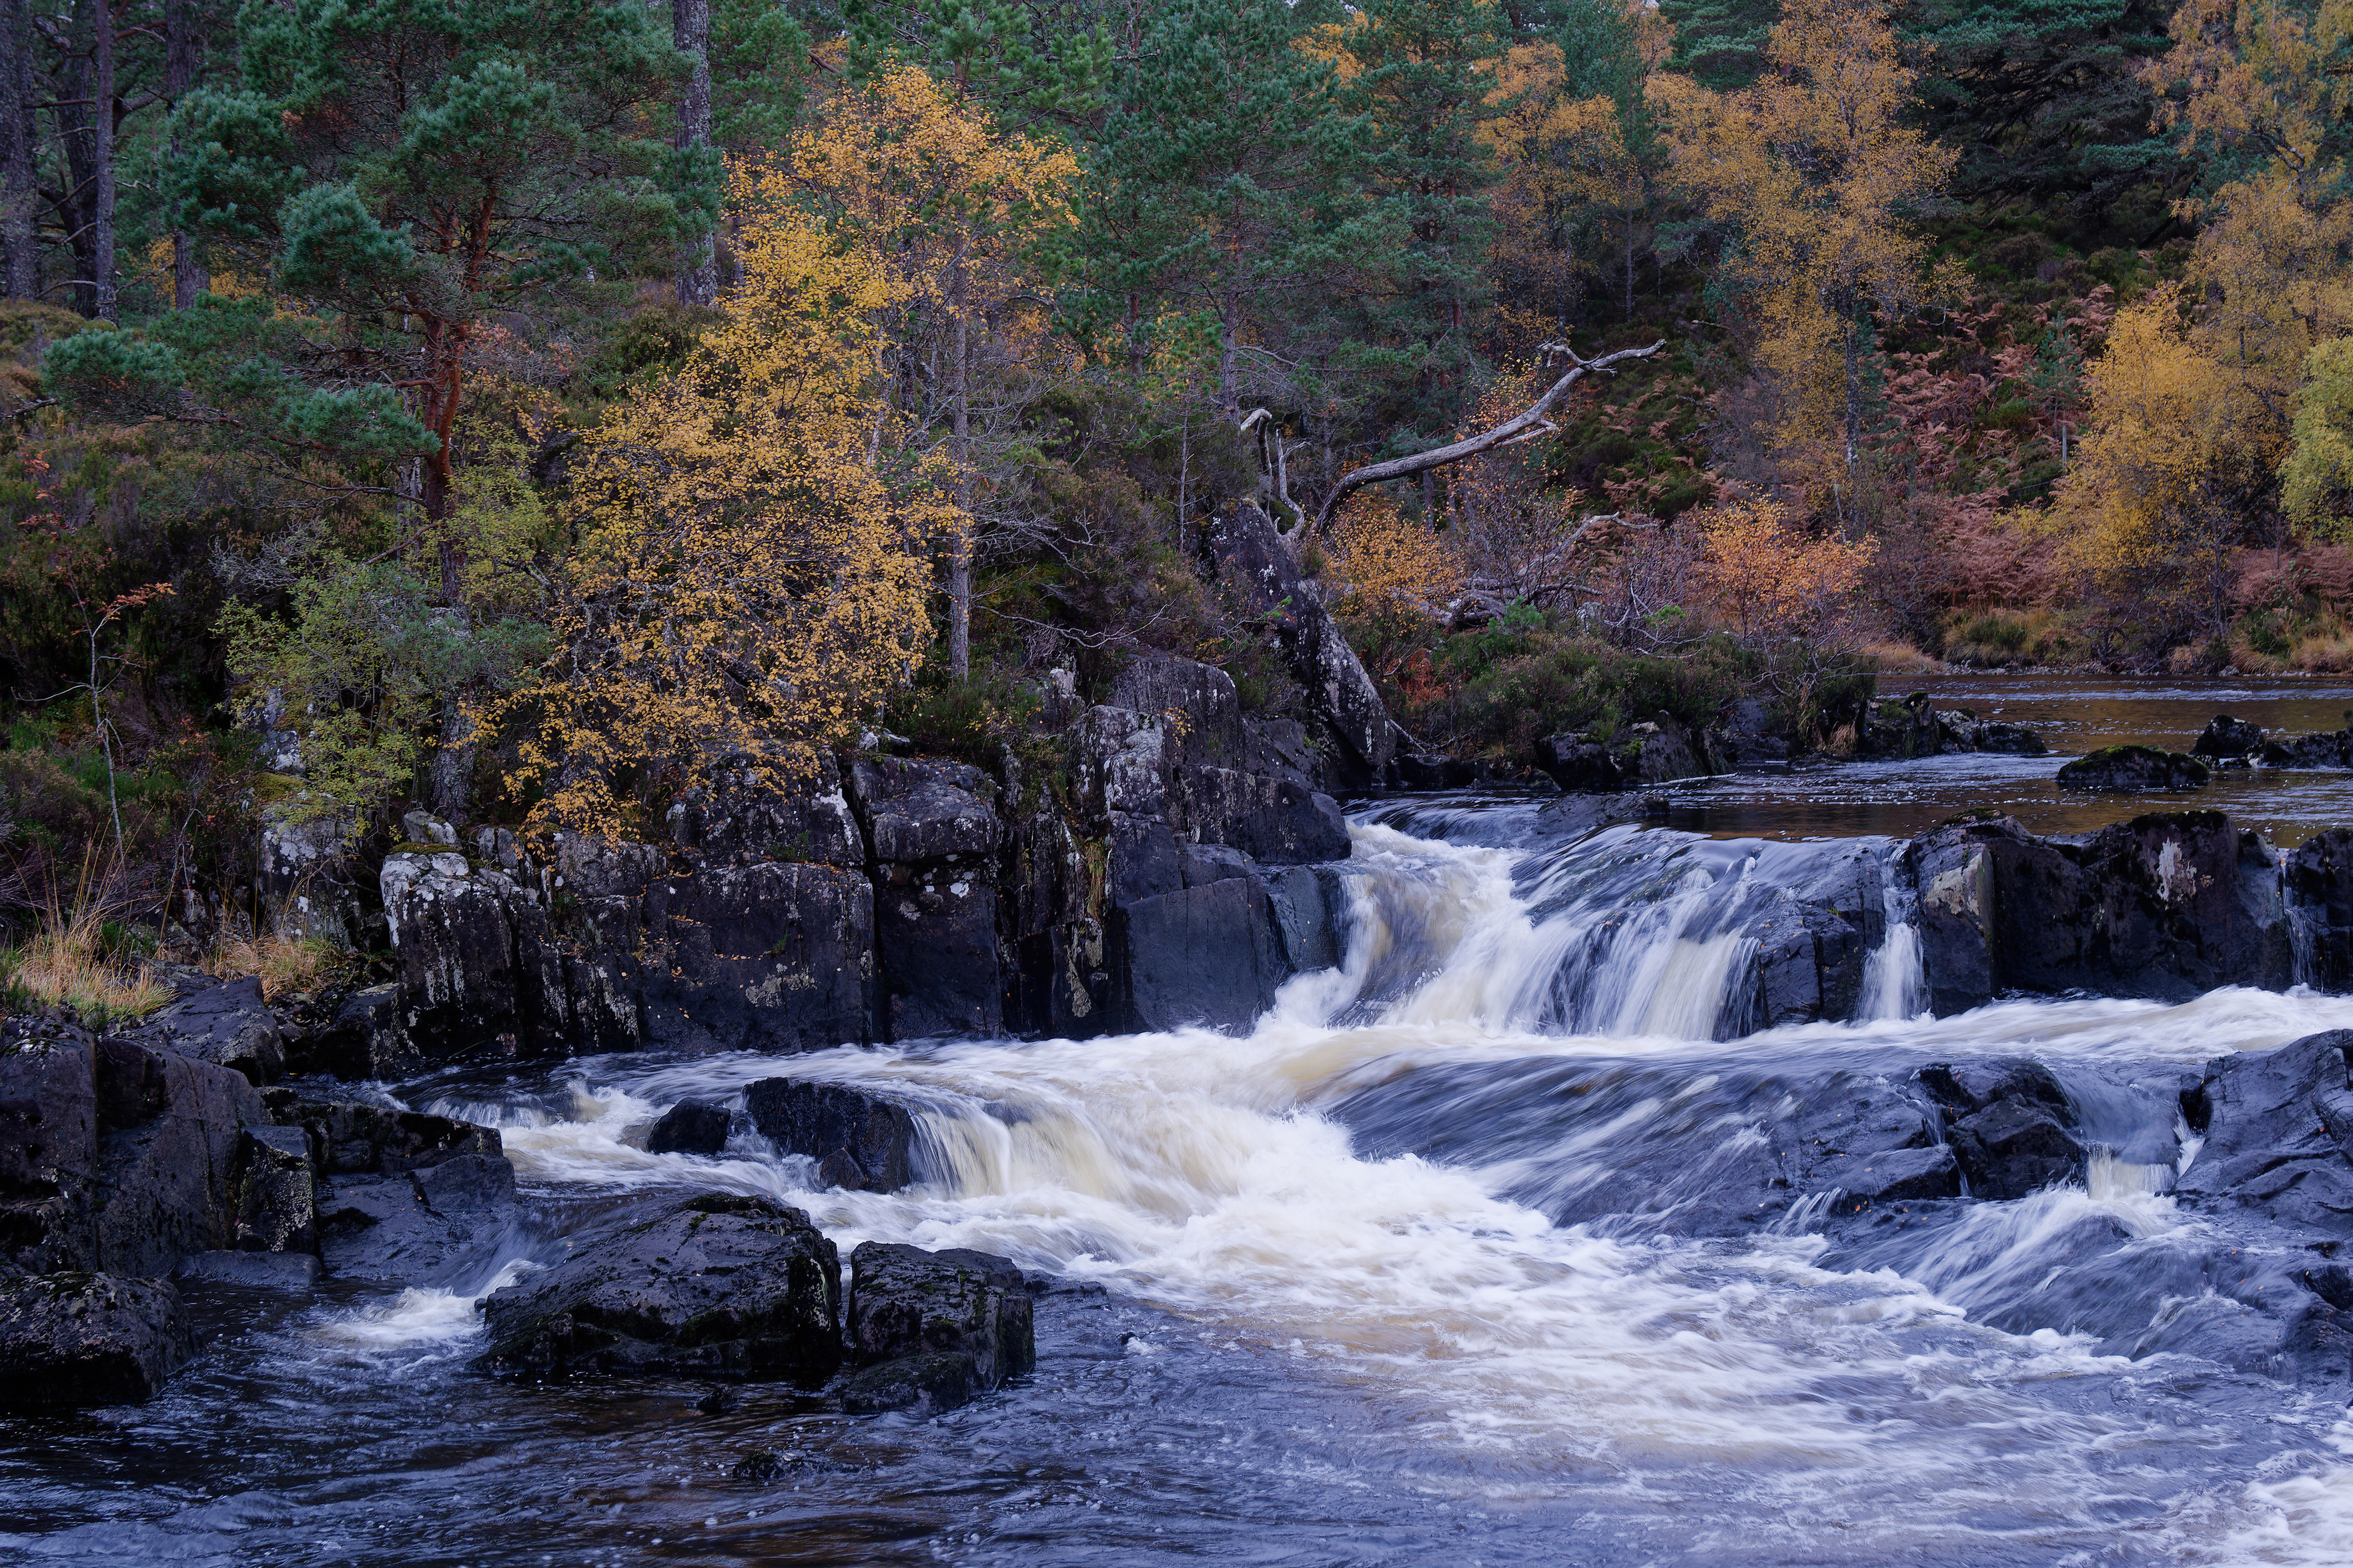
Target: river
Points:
(1374, 1283)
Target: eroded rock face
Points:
(68, 1340)
(934, 834)
(2166, 906)
(721, 1286)
(930, 1330)
(227, 1024)
(309, 877)
(2271, 1121)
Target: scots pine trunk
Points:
(698, 262)
(183, 54)
(20, 261)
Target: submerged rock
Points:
(73, 1340)
(720, 1286)
(2120, 768)
(931, 1328)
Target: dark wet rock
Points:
(2168, 905)
(859, 1141)
(2267, 1145)
(2123, 768)
(1903, 726)
(932, 833)
(276, 1191)
(1275, 821)
(428, 1224)
(293, 1272)
(691, 1127)
(1891, 1175)
(365, 1039)
(931, 1330)
(1659, 750)
(2316, 879)
(1964, 731)
(719, 1401)
(1259, 567)
(1211, 733)
(1577, 764)
(352, 1135)
(2227, 737)
(770, 957)
(720, 1286)
(1964, 1088)
(2015, 1147)
(74, 1340)
(759, 1467)
(1200, 955)
(226, 1024)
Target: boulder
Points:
(1659, 751)
(2015, 1147)
(2227, 737)
(1200, 698)
(1201, 955)
(170, 1130)
(68, 1340)
(2317, 887)
(1960, 730)
(923, 810)
(2122, 768)
(861, 1141)
(276, 1191)
(691, 1127)
(49, 1147)
(1903, 726)
(719, 1286)
(773, 957)
(934, 835)
(454, 944)
(933, 1328)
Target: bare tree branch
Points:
(1522, 425)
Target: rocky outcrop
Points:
(2166, 906)
(2329, 749)
(309, 877)
(2010, 1123)
(1656, 750)
(861, 1141)
(928, 1331)
(720, 1286)
(223, 1022)
(2124, 768)
(2278, 1129)
(73, 1340)
(1253, 561)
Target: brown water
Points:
(2075, 714)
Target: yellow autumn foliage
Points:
(752, 578)
(1391, 564)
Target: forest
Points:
(523, 409)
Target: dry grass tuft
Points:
(1899, 659)
(78, 957)
(285, 964)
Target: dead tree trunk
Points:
(1527, 424)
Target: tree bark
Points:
(698, 262)
(102, 135)
(183, 58)
(960, 453)
(1520, 427)
(20, 259)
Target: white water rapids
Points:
(1722, 1400)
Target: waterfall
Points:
(1895, 984)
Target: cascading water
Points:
(1341, 1318)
